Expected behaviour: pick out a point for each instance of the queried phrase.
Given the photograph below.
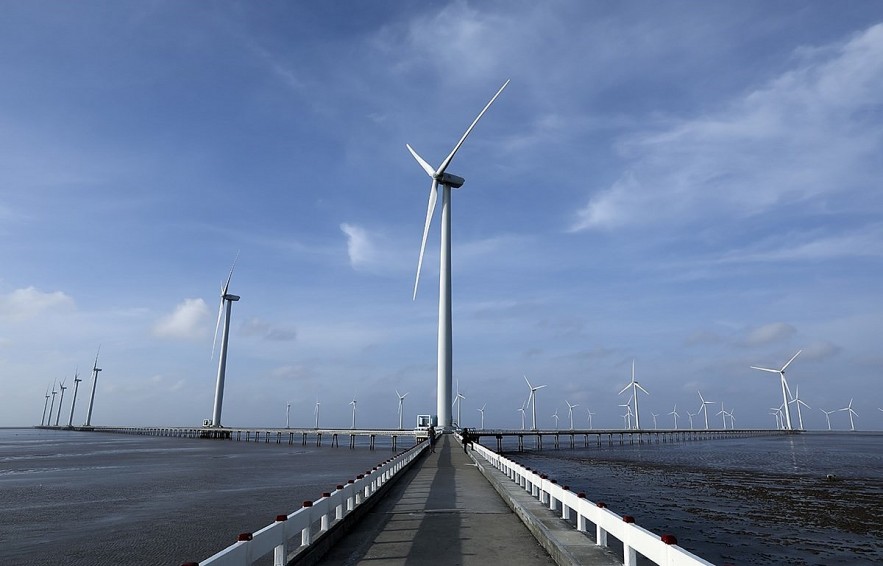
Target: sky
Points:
(692, 186)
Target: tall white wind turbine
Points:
(828, 416)
(481, 410)
(520, 409)
(785, 391)
(52, 404)
(590, 415)
(848, 408)
(447, 181)
(570, 412)
(634, 385)
(798, 401)
(401, 406)
(224, 310)
(459, 401)
(77, 380)
(691, 415)
(316, 412)
(556, 417)
(533, 397)
(676, 415)
(288, 414)
(353, 403)
(654, 419)
(60, 401)
(723, 413)
(45, 406)
(95, 371)
(702, 407)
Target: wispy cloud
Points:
(189, 321)
(263, 329)
(769, 333)
(801, 136)
(27, 303)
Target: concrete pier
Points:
(444, 511)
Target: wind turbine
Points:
(95, 370)
(775, 413)
(676, 415)
(401, 406)
(634, 385)
(520, 409)
(353, 403)
(60, 401)
(533, 396)
(570, 410)
(447, 181)
(691, 415)
(828, 416)
(459, 401)
(785, 391)
(590, 415)
(482, 415)
(227, 300)
(555, 416)
(703, 409)
(316, 412)
(654, 419)
(797, 400)
(77, 380)
(628, 414)
(288, 415)
(732, 419)
(52, 405)
(848, 408)
(45, 406)
(723, 414)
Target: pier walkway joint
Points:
(443, 512)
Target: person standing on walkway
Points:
(467, 438)
(431, 433)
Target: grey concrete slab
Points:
(443, 512)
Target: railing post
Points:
(306, 534)
(280, 553)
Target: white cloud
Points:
(189, 321)
(802, 136)
(773, 332)
(27, 303)
(257, 327)
(361, 250)
(862, 243)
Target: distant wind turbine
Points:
(447, 181)
(533, 397)
(52, 404)
(785, 391)
(95, 371)
(288, 415)
(654, 420)
(628, 414)
(851, 412)
(77, 380)
(459, 401)
(520, 409)
(45, 406)
(570, 411)
(691, 415)
(828, 416)
(401, 406)
(674, 412)
(353, 403)
(703, 408)
(227, 300)
(316, 412)
(723, 414)
(60, 402)
(555, 416)
(590, 415)
(634, 385)
(798, 401)
(481, 410)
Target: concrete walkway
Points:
(441, 512)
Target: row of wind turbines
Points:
(61, 388)
(354, 403)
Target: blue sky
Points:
(694, 186)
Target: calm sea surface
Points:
(70, 498)
(761, 500)
(78, 498)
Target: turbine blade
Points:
(230, 276)
(426, 166)
(765, 369)
(528, 383)
(538, 387)
(433, 197)
(624, 389)
(447, 161)
(217, 326)
(638, 385)
(791, 360)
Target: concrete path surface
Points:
(442, 512)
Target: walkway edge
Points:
(566, 545)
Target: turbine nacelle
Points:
(228, 297)
(452, 181)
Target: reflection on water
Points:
(742, 501)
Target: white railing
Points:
(662, 550)
(307, 525)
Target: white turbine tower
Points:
(590, 415)
(828, 416)
(674, 412)
(52, 404)
(77, 380)
(654, 419)
(798, 401)
(723, 414)
(570, 411)
(533, 397)
(691, 415)
(95, 370)
(316, 412)
(556, 417)
(288, 415)
(353, 403)
(401, 406)
(45, 406)
(60, 402)
(481, 410)
(848, 408)
(445, 332)
(227, 300)
(634, 385)
(785, 390)
(459, 401)
(520, 409)
(702, 407)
